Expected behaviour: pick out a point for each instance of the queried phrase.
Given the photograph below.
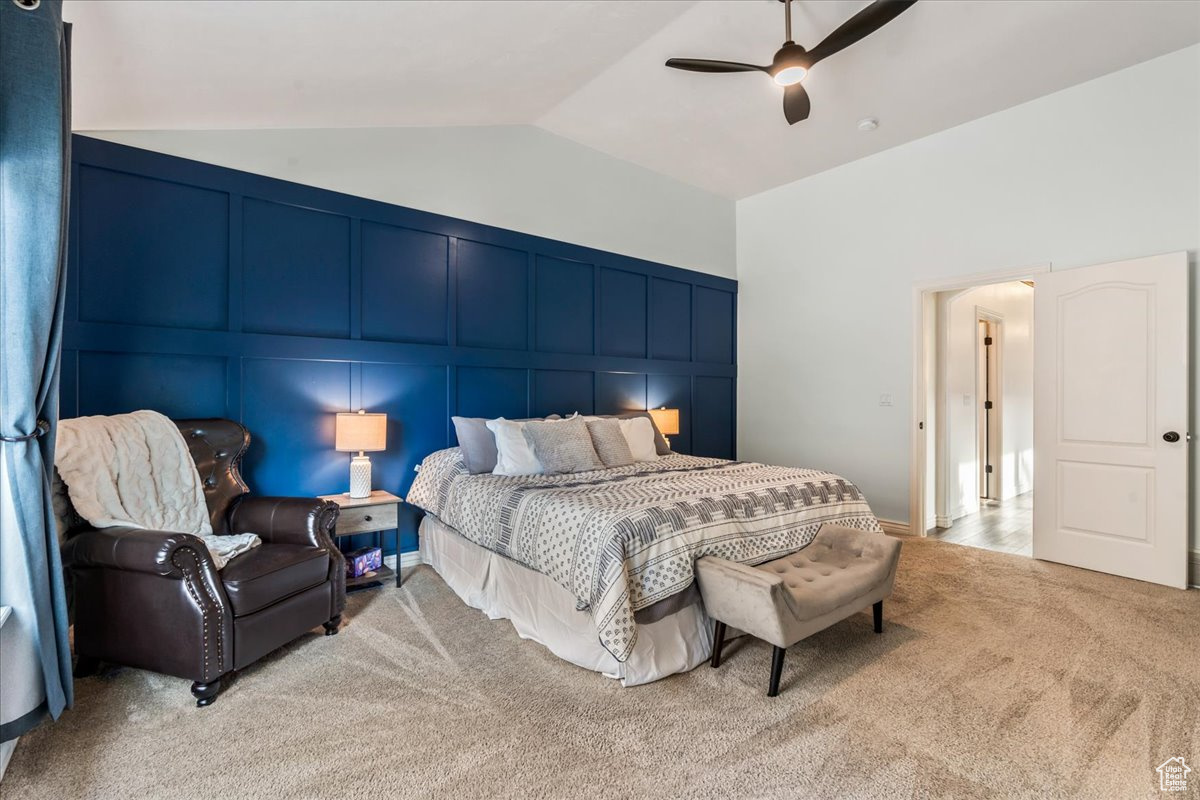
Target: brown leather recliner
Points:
(154, 599)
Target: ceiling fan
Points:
(792, 62)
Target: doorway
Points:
(974, 404)
(1112, 404)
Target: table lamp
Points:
(666, 420)
(361, 433)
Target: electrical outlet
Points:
(885, 399)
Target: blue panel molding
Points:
(197, 290)
(617, 392)
(670, 320)
(176, 385)
(144, 241)
(562, 392)
(493, 296)
(621, 314)
(405, 284)
(713, 415)
(296, 270)
(713, 332)
(564, 303)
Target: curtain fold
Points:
(35, 131)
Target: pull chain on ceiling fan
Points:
(792, 62)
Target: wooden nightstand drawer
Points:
(364, 519)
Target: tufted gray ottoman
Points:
(841, 572)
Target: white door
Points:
(1111, 411)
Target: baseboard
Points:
(961, 511)
(894, 528)
(943, 522)
(409, 559)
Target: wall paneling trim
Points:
(201, 291)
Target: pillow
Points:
(563, 446)
(660, 442)
(661, 447)
(478, 443)
(609, 442)
(514, 456)
(639, 434)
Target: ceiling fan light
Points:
(790, 75)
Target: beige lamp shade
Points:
(361, 432)
(667, 420)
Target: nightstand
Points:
(375, 513)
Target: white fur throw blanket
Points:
(134, 470)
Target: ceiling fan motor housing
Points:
(790, 55)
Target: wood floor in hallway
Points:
(1004, 526)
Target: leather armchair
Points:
(155, 600)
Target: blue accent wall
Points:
(200, 291)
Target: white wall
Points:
(1013, 302)
(514, 176)
(1106, 170)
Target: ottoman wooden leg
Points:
(718, 642)
(776, 671)
(878, 609)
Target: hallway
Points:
(1005, 526)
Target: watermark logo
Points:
(1173, 775)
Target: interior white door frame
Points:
(918, 463)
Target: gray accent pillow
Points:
(478, 444)
(609, 442)
(563, 446)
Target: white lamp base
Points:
(360, 477)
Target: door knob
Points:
(1171, 436)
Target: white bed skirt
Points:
(544, 612)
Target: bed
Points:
(598, 566)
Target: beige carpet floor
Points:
(996, 676)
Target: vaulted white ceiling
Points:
(592, 70)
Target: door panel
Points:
(1107, 360)
(1111, 367)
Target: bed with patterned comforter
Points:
(622, 539)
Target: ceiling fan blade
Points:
(861, 25)
(705, 65)
(795, 103)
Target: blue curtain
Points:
(35, 665)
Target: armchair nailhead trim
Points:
(210, 609)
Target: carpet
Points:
(996, 676)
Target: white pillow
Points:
(639, 433)
(514, 453)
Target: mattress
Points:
(542, 611)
